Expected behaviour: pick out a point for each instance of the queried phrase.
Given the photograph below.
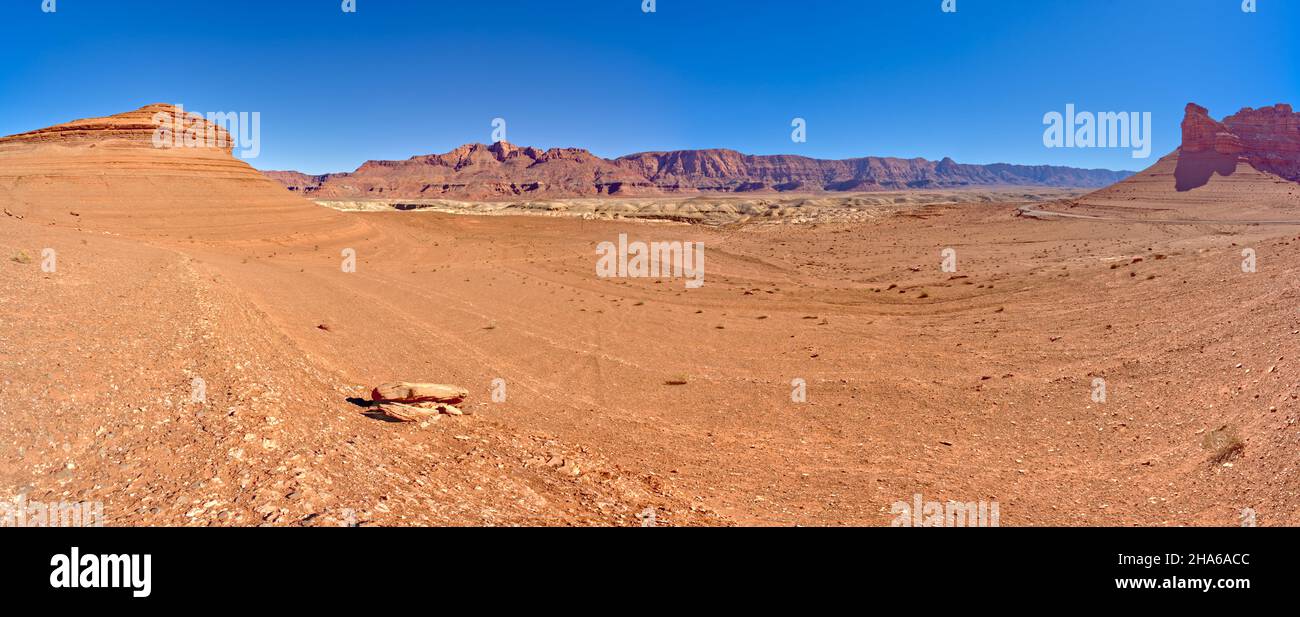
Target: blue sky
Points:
(871, 77)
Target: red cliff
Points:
(1267, 138)
(502, 170)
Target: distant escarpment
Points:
(505, 171)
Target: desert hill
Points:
(505, 171)
(108, 174)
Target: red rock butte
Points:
(1268, 138)
(1245, 167)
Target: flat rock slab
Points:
(406, 392)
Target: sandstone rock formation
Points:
(417, 402)
(404, 392)
(420, 412)
(504, 171)
(1267, 138)
(1243, 168)
(134, 127)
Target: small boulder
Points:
(404, 392)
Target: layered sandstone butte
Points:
(1267, 138)
(112, 174)
(1243, 168)
(505, 171)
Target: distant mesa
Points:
(506, 171)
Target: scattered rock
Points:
(405, 392)
(419, 402)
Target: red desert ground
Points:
(185, 340)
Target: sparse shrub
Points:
(22, 258)
(1224, 444)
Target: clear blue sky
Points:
(872, 77)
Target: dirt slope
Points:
(100, 357)
(1194, 186)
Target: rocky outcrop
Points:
(418, 402)
(160, 125)
(504, 171)
(405, 392)
(1243, 168)
(1267, 138)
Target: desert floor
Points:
(974, 385)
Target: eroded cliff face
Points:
(1267, 138)
(503, 170)
(1243, 168)
(727, 170)
(477, 171)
